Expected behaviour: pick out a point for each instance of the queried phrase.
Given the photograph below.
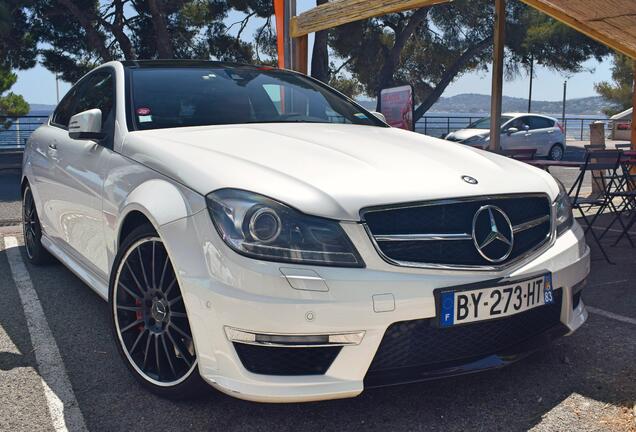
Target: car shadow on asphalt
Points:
(596, 362)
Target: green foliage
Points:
(70, 37)
(619, 92)
(11, 104)
(431, 47)
(346, 85)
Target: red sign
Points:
(396, 104)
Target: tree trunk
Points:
(164, 43)
(449, 76)
(117, 28)
(93, 36)
(320, 53)
(392, 60)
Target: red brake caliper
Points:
(139, 315)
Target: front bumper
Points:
(225, 290)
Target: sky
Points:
(38, 85)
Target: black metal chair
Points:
(602, 166)
(626, 191)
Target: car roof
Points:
(519, 114)
(135, 64)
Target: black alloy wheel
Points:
(32, 231)
(149, 318)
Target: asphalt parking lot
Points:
(584, 382)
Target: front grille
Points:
(286, 361)
(420, 344)
(455, 218)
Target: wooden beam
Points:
(497, 75)
(583, 27)
(339, 12)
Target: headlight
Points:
(564, 217)
(259, 227)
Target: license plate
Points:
(463, 306)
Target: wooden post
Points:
(300, 56)
(289, 13)
(497, 75)
(279, 13)
(633, 140)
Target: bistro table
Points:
(546, 164)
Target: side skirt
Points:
(95, 282)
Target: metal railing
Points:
(575, 128)
(19, 129)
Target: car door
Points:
(80, 169)
(43, 162)
(515, 140)
(541, 134)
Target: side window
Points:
(64, 110)
(97, 92)
(520, 123)
(540, 123)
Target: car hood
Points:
(330, 170)
(463, 134)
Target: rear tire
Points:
(556, 152)
(32, 231)
(149, 320)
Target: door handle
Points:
(53, 146)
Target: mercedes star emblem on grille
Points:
(493, 234)
(470, 180)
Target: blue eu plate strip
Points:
(448, 309)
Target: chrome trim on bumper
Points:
(293, 340)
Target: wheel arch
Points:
(156, 202)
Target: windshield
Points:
(484, 123)
(198, 96)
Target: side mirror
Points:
(86, 125)
(511, 130)
(379, 116)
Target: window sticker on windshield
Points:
(143, 115)
(361, 115)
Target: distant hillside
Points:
(479, 103)
(41, 109)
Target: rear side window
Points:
(540, 123)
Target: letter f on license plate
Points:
(461, 306)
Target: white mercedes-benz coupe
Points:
(255, 230)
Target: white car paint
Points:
(84, 191)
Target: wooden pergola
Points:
(611, 22)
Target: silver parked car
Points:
(518, 130)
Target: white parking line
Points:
(63, 407)
(611, 315)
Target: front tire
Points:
(149, 319)
(556, 152)
(32, 231)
